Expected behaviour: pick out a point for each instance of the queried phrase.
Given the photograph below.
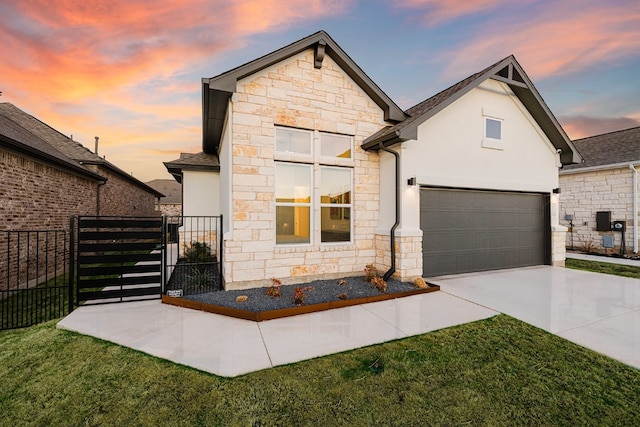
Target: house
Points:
(320, 173)
(605, 187)
(45, 178)
(171, 203)
(119, 194)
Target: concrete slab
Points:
(598, 311)
(229, 347)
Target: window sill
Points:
(494, 144)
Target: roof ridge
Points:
(606, 133)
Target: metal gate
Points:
(116, 259)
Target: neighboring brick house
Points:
(607, 181)
(121, 194)
(321, 173)
(45, 178)
(171, 203)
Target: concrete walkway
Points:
(597, 311)
(229, 347)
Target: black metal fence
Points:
(34, 283)
(116, 259)
(192, 255)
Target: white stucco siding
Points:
(449, 150)
(201, 193)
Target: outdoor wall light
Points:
(412, 181)
(556, 191)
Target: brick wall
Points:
(294, 93)
(584, 194)
(35, 196)
(120, 196)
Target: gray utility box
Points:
(607, 241)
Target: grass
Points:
(604, 267)
(498, 371)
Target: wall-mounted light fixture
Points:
(556, 191)
(412, 181)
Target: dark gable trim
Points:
(217, 91)
(506, 71)
(23, 149)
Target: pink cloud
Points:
(440, 11)
(583, 126)
(554, 41)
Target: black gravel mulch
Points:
(316, 292)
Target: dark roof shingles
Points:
(621, 146)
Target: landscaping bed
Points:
(318, 295)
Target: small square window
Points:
(293, 141)
(493, 128)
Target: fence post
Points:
(72, 252)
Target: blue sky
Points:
(129, 71)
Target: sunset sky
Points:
(130, 71)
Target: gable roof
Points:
(170, 188)
(508, 71)
(217, 90)
(13, 136)
(194, 162)
(617, 148)
(65, 145)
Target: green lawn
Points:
(499, 371)
(603, 267)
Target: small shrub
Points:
(420, 283)
(370, 272)
(379, 284)
(298, 296)
(241, 298)
(343, 296)
(275, 289)
(342, 282)
(198, 252)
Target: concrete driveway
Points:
(597, 311)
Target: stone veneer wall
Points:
(584, 194)
(294, 93)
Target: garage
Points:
(471, 230)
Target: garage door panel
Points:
(467, 230)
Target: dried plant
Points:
(379, 284)
(241, 298)
(420, 283)
(342, 282)
(275, 289)
(370, 272)
(298, 296)
(342, 295)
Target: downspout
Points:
(635, 208)
(392, 269)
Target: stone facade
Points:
(295, 94)
(585, 193)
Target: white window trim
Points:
(340, 205)
(291, 204)
(492, 143)
(316, 161)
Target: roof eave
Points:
(217, 91)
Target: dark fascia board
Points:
(216, 91)
(526, 92)
(54, 161)
(176, 170)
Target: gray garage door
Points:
(467, 230)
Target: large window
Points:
(335, 204)
(302, 158)
(293, 203)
